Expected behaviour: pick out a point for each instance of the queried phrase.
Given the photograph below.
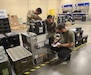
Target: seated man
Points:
(65, 44)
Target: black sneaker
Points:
(68, 57)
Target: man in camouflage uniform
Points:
(33, 15)
(50, 28)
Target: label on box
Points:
(40, 29)
(3, 14)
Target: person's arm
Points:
(70, 41)
(29, 17)
(65, 45)
(38, 18)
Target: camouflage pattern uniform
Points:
(31, 16)
(51, 29)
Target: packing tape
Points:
(76, 48)
(32, 70)
(42, 65)
(26, 73)
(37, 67)
(47, 62)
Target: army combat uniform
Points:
(31, 16)
(51, 29)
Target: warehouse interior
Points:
(25, 52)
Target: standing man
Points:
(33, 15)
(66, 43)
(50, 28)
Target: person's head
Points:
(50, 18)
(61, 29)
(38, 11)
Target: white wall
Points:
(54, 4)
(63, 2)
(20, 7)
(17, 7)
(46, 5)
(33, 4)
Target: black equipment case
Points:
(37, 27)
(20, 59)
(4, 41)
(13, 39)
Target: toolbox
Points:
(78, 42)
(4, 25)
(37, 27)
(5, 68)
(13, 39)
(4, 41)
(42, 55)
(78, 33)
(20, 59)
(84, 39)
(31, 43)
(61, 19)
(80, 38)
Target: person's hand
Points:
(55, 41)
(28, 33)
(58, 45)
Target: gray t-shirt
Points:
(68, 37)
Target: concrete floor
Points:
(80, 63)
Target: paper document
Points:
(55, 45)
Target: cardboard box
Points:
(13, 20)
(17, 27)
(14, 23)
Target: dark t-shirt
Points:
(68, 37)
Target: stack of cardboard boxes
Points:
(14, 23)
